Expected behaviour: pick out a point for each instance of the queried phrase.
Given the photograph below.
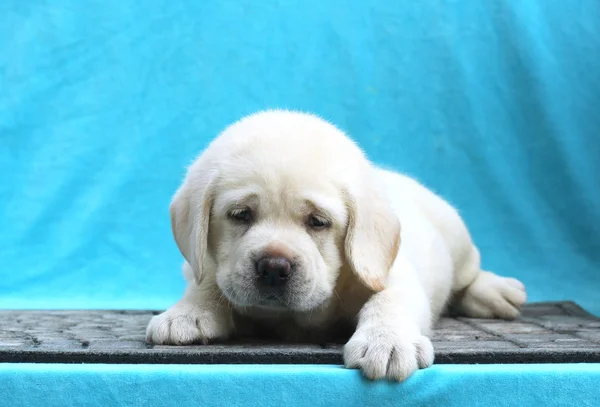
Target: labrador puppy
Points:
(287, 229)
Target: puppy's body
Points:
(287, 228)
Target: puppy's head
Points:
(276, 206)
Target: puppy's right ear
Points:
(190, 219)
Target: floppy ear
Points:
(190, 219)
(373, 237)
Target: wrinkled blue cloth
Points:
(280, 385)
(103, 104)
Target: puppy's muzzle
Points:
(274, 271)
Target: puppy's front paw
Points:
(493, 296)
(388, 352)
(183, 325)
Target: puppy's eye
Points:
(317, 222)
(241, 215)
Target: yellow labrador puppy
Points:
(287, 229)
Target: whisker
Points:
(339, 298)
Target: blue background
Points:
(494, 104)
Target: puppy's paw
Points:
(388, 352)
(492, 296)
(183, 325)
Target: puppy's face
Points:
(275, 206)
(277, 237)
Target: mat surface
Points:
(545, 333)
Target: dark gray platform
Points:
(546, 333)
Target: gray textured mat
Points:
(546, 333)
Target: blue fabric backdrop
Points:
(103, 103)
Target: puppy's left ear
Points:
(373, 236)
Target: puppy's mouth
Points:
(253, 298)
(272, 297)
(272, 300)
(268, 299)
(296, 294)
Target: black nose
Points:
(273, 271)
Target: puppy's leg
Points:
(391, 337)
(482, 294)
(201, 315)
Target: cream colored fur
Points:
(393, 259)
